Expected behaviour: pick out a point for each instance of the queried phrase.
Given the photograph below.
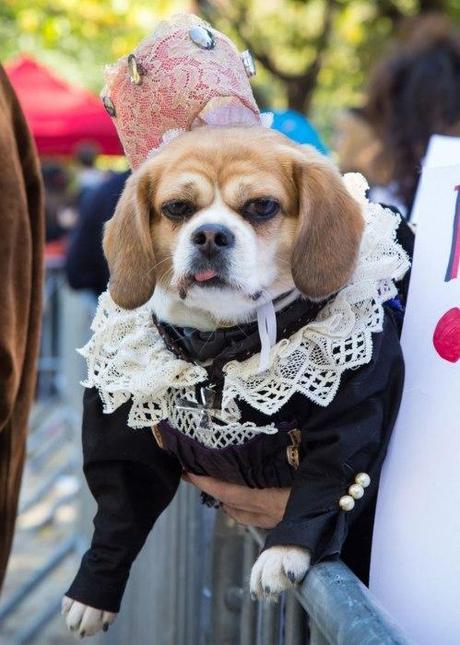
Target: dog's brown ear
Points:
(128, 245)
(330, 228)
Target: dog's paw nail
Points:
(82, 634)
(267, 590)
(291, 577)
(105, 627)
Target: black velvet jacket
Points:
(133, 479)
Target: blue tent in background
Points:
(298, 128)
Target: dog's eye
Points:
(261, 209)
(178, 209)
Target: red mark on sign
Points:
(446, 337)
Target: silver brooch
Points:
(202, 37)
(205, 410)
(109, 106)
(249, 63)
(135, 70)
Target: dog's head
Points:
(224, 218)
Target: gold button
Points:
(346, 503)
(158, 437)
(109, 106)
(135, 70)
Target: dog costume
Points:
(314, 412)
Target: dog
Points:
(213, 226)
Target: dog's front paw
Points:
(278, 569)
(83, 620)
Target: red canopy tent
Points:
(60, 115)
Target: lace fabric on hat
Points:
(180, 81)
(127, 358)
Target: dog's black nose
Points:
(212, 238)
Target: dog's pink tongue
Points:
(202, 276)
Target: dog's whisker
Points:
(170, 257)
(245, 334)
(168, 274)
(211, 336)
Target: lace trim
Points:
(127, 358)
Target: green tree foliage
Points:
(78, 38)
(313, 55)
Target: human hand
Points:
(263, 508)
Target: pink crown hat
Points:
(185, 75)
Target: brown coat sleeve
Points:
(21, 274)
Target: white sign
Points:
(415, 569)
(442, 151)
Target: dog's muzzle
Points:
(211, 244)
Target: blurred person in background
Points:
(56, 181)
(21, 268)
(86, 266)
(72, 199)
(414, 93)
(357, 147)
(88, 176)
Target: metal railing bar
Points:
(30, 631)
(316, 635)
(270, 623)
(257, 535)
(60, 554)
(344, 610)
(47, 421)
(294, 622)
(49, 518)
(49, 364)
(51, 445)
(248, 616)
(38, 415)
(47, 485)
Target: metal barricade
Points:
(331, 606)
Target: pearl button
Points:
(346, 503)
(356, 491)
(363, 479)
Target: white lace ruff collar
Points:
(127, 358)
